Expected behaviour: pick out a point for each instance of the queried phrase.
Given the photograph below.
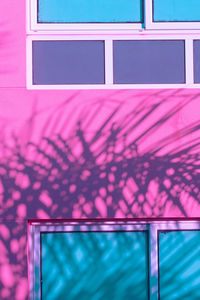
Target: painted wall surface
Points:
(86, 154)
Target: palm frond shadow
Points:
(88, 165)
(95, 265)
(179, 265)
(104, 172)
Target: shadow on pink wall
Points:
(108, 154)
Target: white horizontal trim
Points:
(122, 32)
(159, 224)
(173, 25)
(141, 36)
(85, 26)
(111, 86)
(93, 227)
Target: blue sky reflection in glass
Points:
(95, 265)
(90, 11)
(176, 10)
(179, 265)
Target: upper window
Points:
(114, 14)
(113, 44)
(67, 14)
(174, 14)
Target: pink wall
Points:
(162, 124)
(132, 153)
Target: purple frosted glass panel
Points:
(197, 61)
(68, 62)
(149, 62)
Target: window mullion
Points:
(148, 14)
(189, 65)
(153, 262)
(108, 61)
(37, 290)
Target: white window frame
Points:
(108, 32)
(36, 227)
(33, 24)
(108, 39)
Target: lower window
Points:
(114, 62)
(114, 260)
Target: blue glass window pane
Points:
(197, 61)
(95, 266)
(86, 11)
(149, 62)
(176, 10)
(68, 62)
(179, 265)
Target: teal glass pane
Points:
(179, 265)
(176, 10)
(86, 11)
(94, 266)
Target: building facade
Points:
(99, 136)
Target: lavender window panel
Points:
(68, 62)
(149, 62)
(197, 61)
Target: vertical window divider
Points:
(30, 256)
(153, 261)
(37, 271)
(148, 14)
(33, 14)
(189, 58)
(108, 61)
(28, 17)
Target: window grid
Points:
(108, 32)
(148, 24)
(189, 61)
(152, 227)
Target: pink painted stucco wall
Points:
(131, 153)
